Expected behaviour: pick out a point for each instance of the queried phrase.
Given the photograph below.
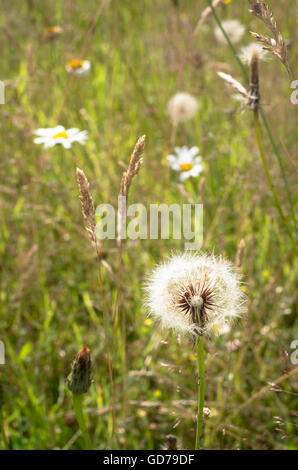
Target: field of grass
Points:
(57, 297)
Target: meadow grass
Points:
(57, 297)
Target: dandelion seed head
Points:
(182, 107)
(195, 294)
(234, 29)
(253, 50)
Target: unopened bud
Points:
(80, 377)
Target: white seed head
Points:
(196, 294)
(182, 107)
(196, 301)
(234, 30)
(254, 49)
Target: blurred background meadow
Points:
(57, 297)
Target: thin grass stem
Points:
(201, 390)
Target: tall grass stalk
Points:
(126, 181)
(265, 121)
(109, 349)
(201, 390)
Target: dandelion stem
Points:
(269, 180)
(201, 390)
(77, 404)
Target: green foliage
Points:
(52, 300)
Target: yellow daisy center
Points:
(186, 166)
(227, 1)
(75, 64)
(61, 134)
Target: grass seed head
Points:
(133, 167)
(88, 212)
(276, 45)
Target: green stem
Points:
(245, 73)
(201, 390)
(269, 180)
(77, 403)
(268, 129)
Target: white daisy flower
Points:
(187, 161)
(196, 294)
(78, 67)
(59, 135)
(182, 107)
(234, 30)
(254, 49)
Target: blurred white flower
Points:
(182, 107)
(196, 294)
(59, 135)
(186, 161)
(252, 50)
(234, 30)
(78, 67)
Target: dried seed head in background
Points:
(182, 107)
(275, 45)
(80, 377)
(240, 254)
(196, 294)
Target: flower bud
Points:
(80, 377)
